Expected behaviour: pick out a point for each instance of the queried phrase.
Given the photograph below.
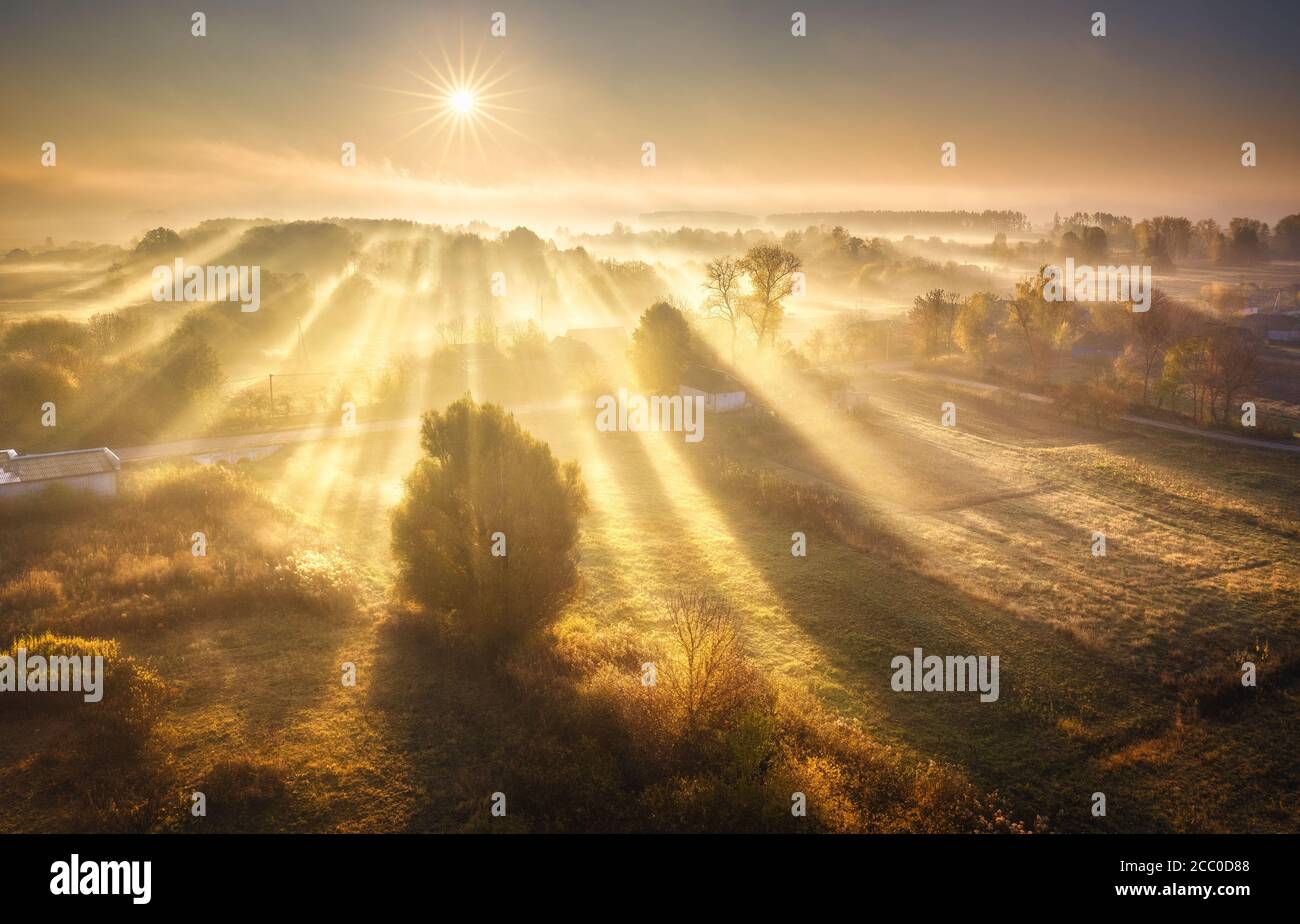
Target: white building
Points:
(93, 470)
(721, 392)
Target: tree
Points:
(527, 349)
(1151, 245)
(1043, 323)
(817, 344)
(186, 366)
(51, 339)
(1188, 364)
(1020, 313)
(483, 475)
(974, 323)
(949, 306)
(661, 347)
(1070, 245)
(1176, 232)
(1233, 363)
(1095, 244)
(1208, 241)
(111, 331)
(1153, 331)
(724, 299)
(934, 315)
(1247, 241)
(158, 242)
(924, 317)
(527, 342)
(706, 674)
(771, 270)
(452, 331)
(1163, 240)
(27, 383)
(1286, 237)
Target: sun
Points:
(459, 104)
(462, 101)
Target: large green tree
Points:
(661, 348)
(485, 486)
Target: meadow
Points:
(1118, 673)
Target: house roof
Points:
(711, 381)
(45, 466)
(1276, 321)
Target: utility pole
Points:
(270, 384)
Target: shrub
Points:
(811, 501)
(133, 695)
(34, 589)
(1217, 689)
(320, 581)
(1096, 401)
(204, 491)
(712, 746)
(483, 474)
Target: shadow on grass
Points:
(862, 611)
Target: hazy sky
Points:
(154, 126)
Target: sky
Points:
(155, 126)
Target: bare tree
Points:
(707, 673)
(723, 285)
(1233, 361)
(771, 270)
(1153, 332)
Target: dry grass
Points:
(133, 695)
(1115, 670)
(239, 630)
(128, 565)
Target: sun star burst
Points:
(460, 104)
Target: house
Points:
(93, 470)
(721, 391)
(1275, 328)
(1094, 345)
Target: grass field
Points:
(1105, 661)
(1202, 563)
